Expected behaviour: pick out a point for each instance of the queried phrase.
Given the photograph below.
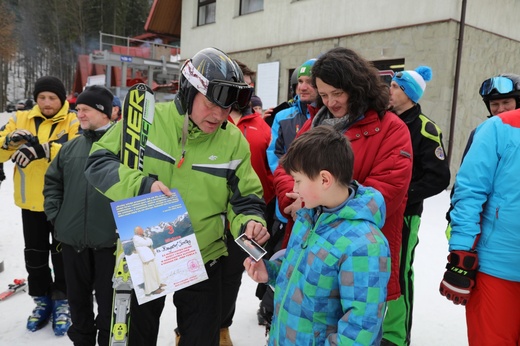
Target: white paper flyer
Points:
(160, 246)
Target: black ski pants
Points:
(38, 234)
(233, 269)
(87, 271)
(198, 313)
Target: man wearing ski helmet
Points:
(190, 148)
(500, 94)
(482, 271)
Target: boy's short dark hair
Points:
(321, 148)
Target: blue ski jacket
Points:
(331, 283)
(487, 198)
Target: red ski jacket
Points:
(258, 134)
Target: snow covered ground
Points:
(436, 320)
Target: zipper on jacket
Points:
(310, 232)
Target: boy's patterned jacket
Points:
(330, 286)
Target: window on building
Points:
(250, 6)
(206, 12)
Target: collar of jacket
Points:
(94, 135)
(60, 116)
(411, 114)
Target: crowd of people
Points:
(331, 183)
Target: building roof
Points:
(165, 18)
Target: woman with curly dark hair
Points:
(355, 102)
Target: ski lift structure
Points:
(128, 61)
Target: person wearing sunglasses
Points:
(430, 176)
(355, 102)
(484, 243)
(500, 94)
(190, 148)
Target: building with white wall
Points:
(414, 32)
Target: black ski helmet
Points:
(506, 85)
(215, 75)
(294, 82)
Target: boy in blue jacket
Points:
(330, 285)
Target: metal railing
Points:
(136, 47)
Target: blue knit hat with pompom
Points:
(413, 83)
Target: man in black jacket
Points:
(84, 224)
(430, 175)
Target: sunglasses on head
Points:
(502, 85)
(225, 93)
(400, 75)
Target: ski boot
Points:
(60, 317)
(41, 313)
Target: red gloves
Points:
(459, 278)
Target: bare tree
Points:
(7, 49)
(51, 34)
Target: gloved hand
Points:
(16, 138)
(459, 278)
(27, 154)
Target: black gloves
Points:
(18, 137)
(26, 154)
(459, 278)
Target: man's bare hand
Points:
(159, 186)
(256, 231)
(268, 113)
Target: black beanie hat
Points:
(256, 101)
(97, 97)
(51, 84)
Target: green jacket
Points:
(81, 215)
(216, 180)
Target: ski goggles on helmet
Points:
(221, 92)
(225, 94)
(501, 85)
